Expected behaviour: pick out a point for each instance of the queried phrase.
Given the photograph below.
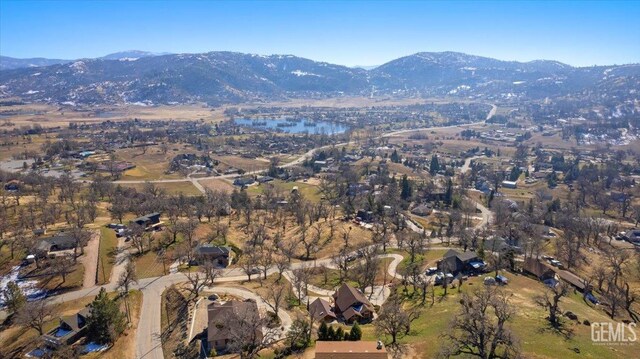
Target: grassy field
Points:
(187, 188)
(108, 245)
(536, 339)
(147, 265)
(247, 164)
(217, 184)
(151, 165)
(309, 191)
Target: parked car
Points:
(440, 278)
(213, 297)
(500, 279)
(431, 271)
(556, 263)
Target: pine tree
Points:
(331, 333)
(434, 166)
(13, 297)
(323, 332)
(356, 333)
(394, 157)
(339, 334)
(105, 320)
(405, 192)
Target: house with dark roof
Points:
(70, 329)
(226, 322)
(321, 311)
(455, 262)
(218, 255)
(59, 242)
(148, 221)
(243, 181)
(538, 269)
(351, 305)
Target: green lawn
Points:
(108, 245)
(529, 324)
(309, 191)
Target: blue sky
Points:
(348, 33)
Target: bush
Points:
(356, 333)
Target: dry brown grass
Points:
(217, 184)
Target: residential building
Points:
(70, 329)
(321, 310)
(226, 322)
(351, 305)
(350, 350)
(218, 255)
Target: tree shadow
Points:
(560, 329)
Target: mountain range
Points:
(230, 77)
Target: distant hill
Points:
(132, 54)
(230, 77)
(8, 63)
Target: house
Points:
(70, 329)
(538, 269)
(510, 184)
(575, 281)
(421, 210)
(218, 255)
(243, 181)
(226, 321)
(350, 350)
(149, 221)
(499, 244)
(60, 242)
(351, 305)
(365, 216)
(455, 262)
(265, 179)
(632, 236)
(321, 311)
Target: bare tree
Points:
(195, 283)
(250, 333)
(128, 277)
(275, 296)
(394, 319)
(34, 314)
(62, 265)
(480, 328)
(551, 299)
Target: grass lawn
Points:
(108, 245)
(147, 265)
(529, 325)
(309, 191)
(74, 280)
(187, 188)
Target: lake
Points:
(294, 126)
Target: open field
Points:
(536, 338)
(309, 191)
(217, 184)
(246, 164)
(187, 188)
